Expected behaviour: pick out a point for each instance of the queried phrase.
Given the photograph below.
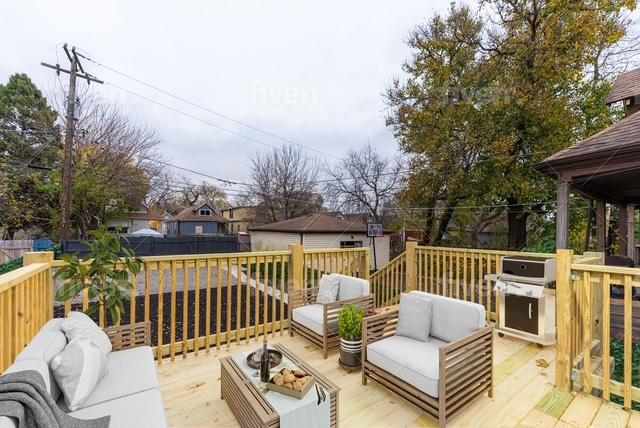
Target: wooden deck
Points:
(524, 394)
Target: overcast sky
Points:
(310, 71)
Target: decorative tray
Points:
(294, 383)
(275, 358)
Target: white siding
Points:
(272, 241)
(316, 241)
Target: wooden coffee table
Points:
(248, 404)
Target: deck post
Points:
(30, 258)
(564, 312)
(601, 226)
(296, 264)
(411, 260)
(562, 216)
(365, 264)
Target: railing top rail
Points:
(605, 269)
(336, 250)
(483, 251)
(13, 278)
(194, 257)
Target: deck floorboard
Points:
(524, 393)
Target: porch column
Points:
(627, 230)
(601, 226)
(562, 214)
(631, 231)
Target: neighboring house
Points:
(317, 231)
(201, 220)
(240, 218)
(133, 221)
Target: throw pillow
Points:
(79, 325)
(77, 370)
(414, 319)
(328, 289)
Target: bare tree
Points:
(114, 162)
(364, 181)
(283, 184)
(203, 193)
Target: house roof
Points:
(314, 223)
(625, 86)
(604, 166)
(191, 214)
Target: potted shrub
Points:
(350, 329)
(103, 273)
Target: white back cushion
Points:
(78, 369)
(79, 325)
(414, 319)
(453, 319)
(351, 287)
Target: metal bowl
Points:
(275, 358)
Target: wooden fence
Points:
(13, 249)
(194, 302)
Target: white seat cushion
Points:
(310, 316)
(351, 287)
(130, 371)
(413, 361)
(453, 319)
(142, 410)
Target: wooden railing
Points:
(585, 325)
(454, 272)
(26, 303)
(351, 261)
(389, 282)
(193, 302)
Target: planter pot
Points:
(350, 354)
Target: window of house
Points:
(204, 212)
(350, 244)
(198, 230)
(230, 213)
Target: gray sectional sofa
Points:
(129, 392)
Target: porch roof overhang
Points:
(605, 166)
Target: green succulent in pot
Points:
(350, 323)
(350, 330)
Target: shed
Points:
(319, 231)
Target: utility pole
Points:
(65, 197)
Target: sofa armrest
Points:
(129, 335)
(331, 310)
(378, 327)
(466, 367)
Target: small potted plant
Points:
(350, 329)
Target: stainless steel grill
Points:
(525, 294)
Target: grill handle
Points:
(530, 311)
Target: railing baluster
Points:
(282, 271)
(207, 307)
(196, 315)
(147, 290)
(229, 298)
(238, 265)
(628, 344)
(132, 302)
(248, 300)
(606, 336)
(173, 310)
(219, 301)
(185, 308)
(586, 332)
(160, 312)
(273, 292)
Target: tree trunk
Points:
(428, 229)
(517, 223)
(445, 219)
